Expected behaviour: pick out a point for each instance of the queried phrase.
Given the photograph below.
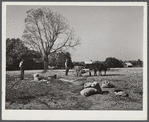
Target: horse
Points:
(96, 66)
(99, 66)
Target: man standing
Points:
(68, 65)
(21, 65)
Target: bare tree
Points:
(48, 32)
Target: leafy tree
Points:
(58, 59)
(52, 59)
(48, 32)
(140, 63)
(15, 51)
(109, 62)
(113, 62)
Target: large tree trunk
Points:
(45, 61)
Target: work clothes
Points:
(21, 65)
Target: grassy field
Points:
(61, 95)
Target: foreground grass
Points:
(42, 95)
(59, 95)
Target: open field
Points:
(62, 95)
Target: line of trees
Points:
(136, 63)
(115, 63)
(16, 50)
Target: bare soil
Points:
(64, 95)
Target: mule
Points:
(100, 67)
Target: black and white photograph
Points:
(74, 60)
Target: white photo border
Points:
(75, 114)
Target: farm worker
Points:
(68, 65)
(21, 65)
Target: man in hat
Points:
(21, 65)
(68, 65)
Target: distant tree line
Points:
(137, 63)
(16, 50)
(114, 63)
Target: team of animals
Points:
(95, 66)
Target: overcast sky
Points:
(105, 31)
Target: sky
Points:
(105, 31)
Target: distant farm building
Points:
(88, 64)
(127, 64)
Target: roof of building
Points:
(88, 62)
(128, 64)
